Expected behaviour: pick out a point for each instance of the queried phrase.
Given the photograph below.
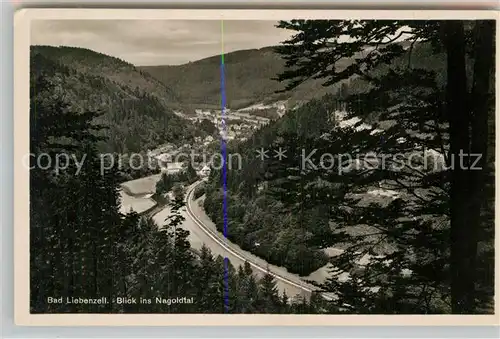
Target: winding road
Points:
(203, 231)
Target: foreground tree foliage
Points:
(413, 221)
(439, 231)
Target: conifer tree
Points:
(423, 103)
(268, 297)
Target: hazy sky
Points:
(157, 42)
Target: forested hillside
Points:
(259, 222)
(254, 215)
(82, 247)
(136, 107)
(248, 80)
(423, 223)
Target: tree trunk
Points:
(481, 107)
(462, 245)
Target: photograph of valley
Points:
(262, 167)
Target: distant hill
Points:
(136, 106)
(248, 80)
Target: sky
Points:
(157, 42)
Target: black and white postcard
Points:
(255, 167)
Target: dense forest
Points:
(257, 216)
(424, 87)
(420, 85)
(81, 246)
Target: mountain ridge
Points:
(137, 108)
(249, 80)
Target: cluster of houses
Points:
(235, 125)
(279, 106)
(169, 158)
(231, 125)
(204, 142)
